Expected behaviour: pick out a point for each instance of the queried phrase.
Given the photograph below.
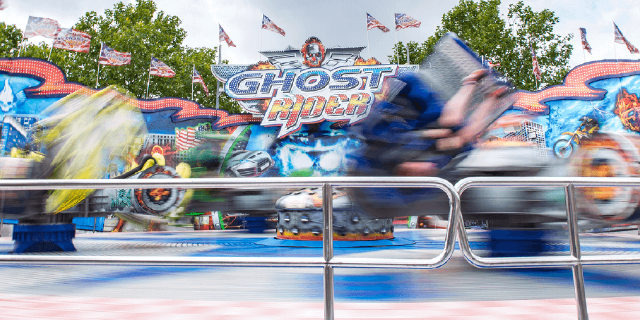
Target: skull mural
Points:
(313, 52)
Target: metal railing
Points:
(575, 259)
(328, 261)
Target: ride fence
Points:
(455, 225)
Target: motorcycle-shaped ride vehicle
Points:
(86, 135)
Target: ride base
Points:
(43, 237)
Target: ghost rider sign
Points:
(310, 85)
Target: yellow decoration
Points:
(184, 170)
(84, 132)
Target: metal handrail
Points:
(575, 259)
(252, 183)
(328, 261)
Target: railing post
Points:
(327, 212)
(1, 213)
(327, 249)
(574, 245)
(328, 292)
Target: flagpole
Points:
(366, 22)
(50, 50)
(217, 81)
(148, 81)
(98, 73)
(192, 72)
(261, 32)
(615, 55)
(408, 59)
(368, 45)
(21, 45)
(395, 32)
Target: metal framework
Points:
(575, 259)
(328, 261)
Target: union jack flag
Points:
(404, 21)
(621, 39)
(373, 23)
(536, 68)
(45, 27)
(224, 37)
(160, 69)
(583, 37)
(269, 25)
(197, 78)
(112, 57)
(186, 139)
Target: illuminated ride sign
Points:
(309, 85)
(312, 95)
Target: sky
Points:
(341, 22)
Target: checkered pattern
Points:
(55, 307)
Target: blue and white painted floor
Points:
(456, 282)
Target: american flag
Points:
(269, 25)
(404, 21)
(373, 23)
(197, 78)
(224, 37)
(493, 64)
(72, 39)
(536, 67)
(621, 39)
(186, 139)
(45, 27)
(583, 37)
(160, 69)
(112, 57)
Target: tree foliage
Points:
(144, 31)
(508, 42)
(10, 37)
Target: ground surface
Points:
(457, 290)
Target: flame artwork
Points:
(628, 109)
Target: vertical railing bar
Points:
(327, 212)
(327, 248)
(328, 292)
(2, 213)
(574, 245)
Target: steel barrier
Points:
(575, 259)
(328, 261)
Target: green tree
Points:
(142, 30)
(10, 38)
(507, 42)
(534, 31)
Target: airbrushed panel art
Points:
(595, 96)
(298, 103)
